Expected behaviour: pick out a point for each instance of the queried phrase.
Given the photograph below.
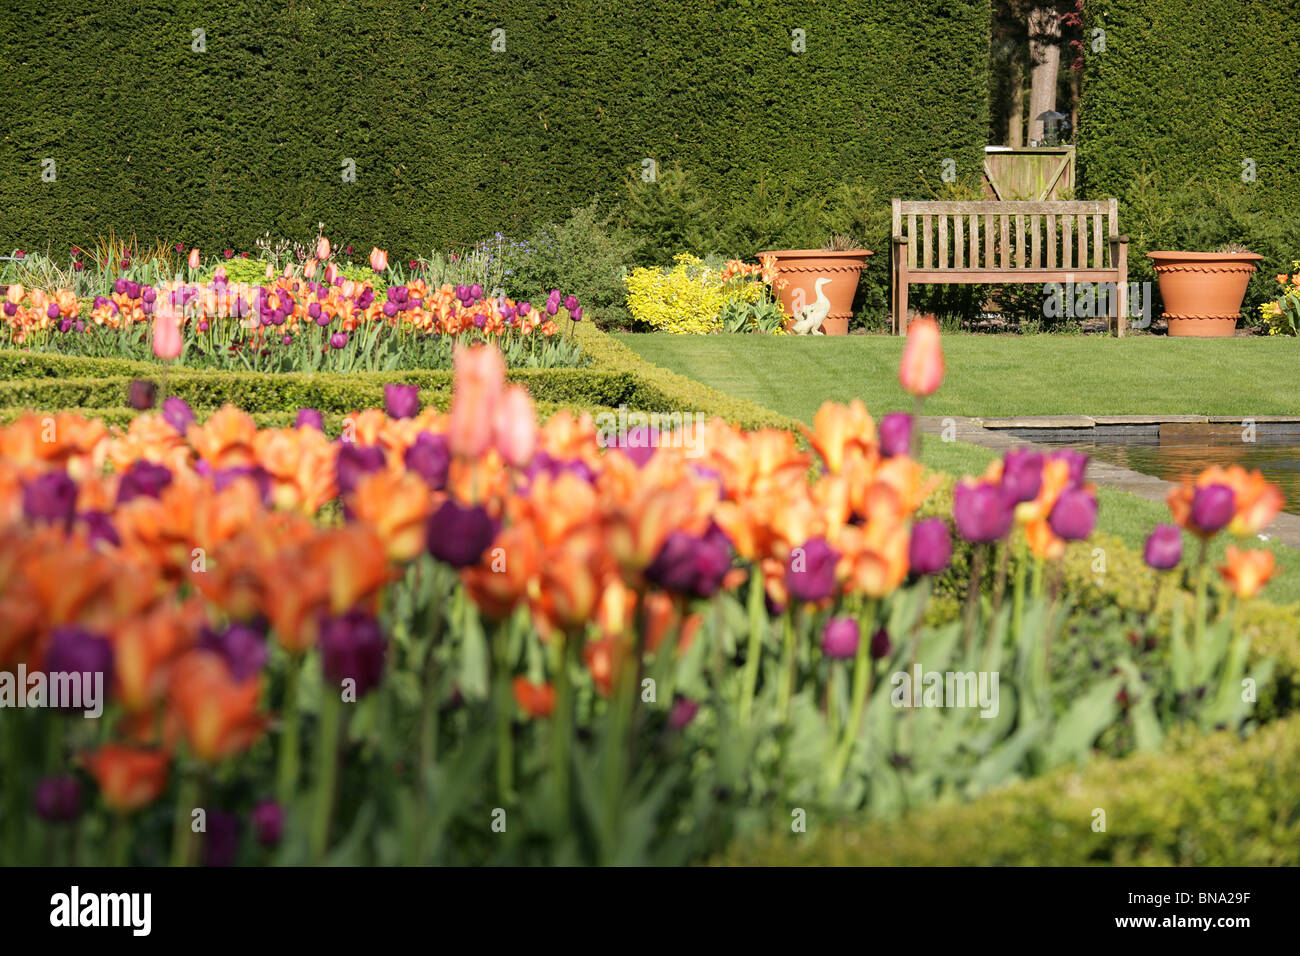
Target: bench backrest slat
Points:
(1014, 235)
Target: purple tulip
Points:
(352, 647)
(313, 310)
(119, 286)
(476, 291)
(242, 646)
(682, 713)
(1076, 460)
(1164, 548)
(401, 401)
(52, 311)
(880, 645)
(353, 462)
(221, 840)
(58, 799)
(525, 307)
(177, 413)
(1074, 515)
(689, 565)
(459, 535)
(267, 818)
(75, 650)
(311, 418)
(638, 443)
(141, 394)
(10, 308)
(144, 479)
(983, 512)
(338, 340)
(930, 549)
(1022, 474)
(50, 497)
(570, 302)
(1212, 508)
(429, 456)
(810, 575)
(896, 434)
(223, 478)
(840, 638)
(99, 526)
(390, 309)
(552, 307)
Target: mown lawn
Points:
(994, 375)
(1012, 375)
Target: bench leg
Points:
(900, 321)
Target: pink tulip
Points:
(378, 259)
(331, 273)
(921, 369)
(322, 248)
(309, 269)
(166, 334)
(515, 429)
(194, 258)
(15, 293)
(480, 375)
(270, 272)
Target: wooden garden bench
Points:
(1002, 242)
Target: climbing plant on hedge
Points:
(143, 124)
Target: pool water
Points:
(1175, 460)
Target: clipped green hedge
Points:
(451, 140)
(1212, 801)
(1187, 91)
(616, 377)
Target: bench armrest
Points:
(900, 240)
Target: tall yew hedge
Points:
(1186, 92)
(451, 140)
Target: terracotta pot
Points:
(801, 268)
(1202, 291)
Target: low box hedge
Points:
(1208, 801)
(617, 377)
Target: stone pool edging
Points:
(999, 434)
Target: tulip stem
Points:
(429, 702)
(755, 651)
(861, 687)
(1201, 610)
(1018, 592)
(787, 664)
(562, 727)
(505, 706)
(289, 754)
(187, 801)
(119, 841)
(973, 594)
(328, 756)
(914, 444)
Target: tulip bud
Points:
(896, 434)
(1074, 515)
(50, 497)
(58, 799)
(921, 369)
(322, 248)
(930, 549)
(1212, 508)
(840, 638)
(194, 259)
(810, 574)
(378, 259)
(514, 432)
(1164, 547)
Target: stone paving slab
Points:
(1285, 528)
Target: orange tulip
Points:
(1247, 571)
(535, 700)
(322, 248)
(309, 269)
(480, 375)
(15, 292)
(128, 778)
(218, 714)
(378, 259)
(921, 370)
(397, 506)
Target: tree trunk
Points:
(1016, 102)
(1045, 67)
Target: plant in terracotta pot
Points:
(827, 305)
(1283, 314)
(1202, 291)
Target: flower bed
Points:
(463, 637)
(308, 317)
